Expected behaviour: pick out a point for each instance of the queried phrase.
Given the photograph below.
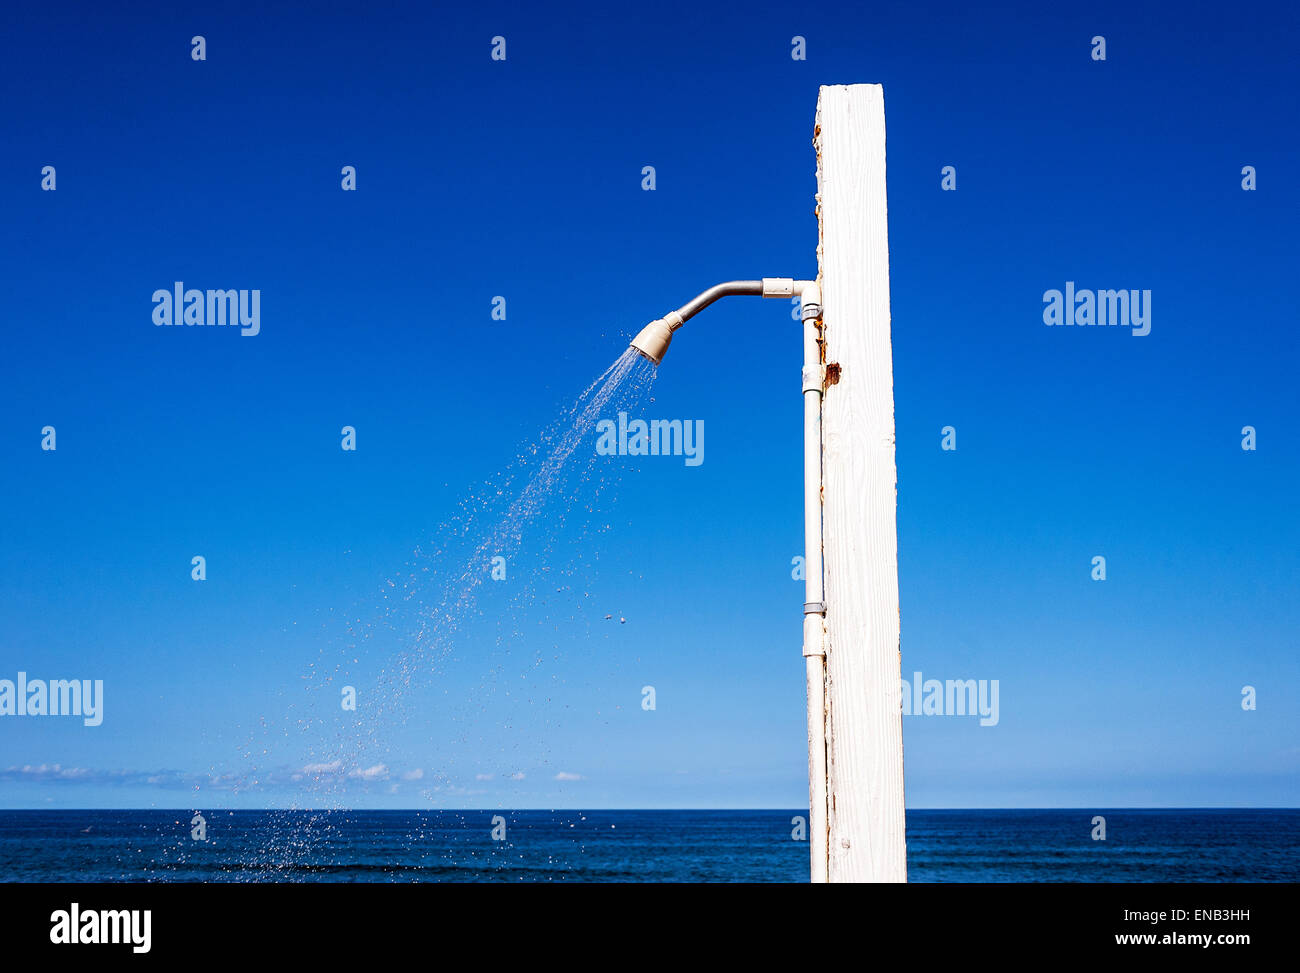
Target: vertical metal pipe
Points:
(814, 623)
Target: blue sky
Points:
(522, 179)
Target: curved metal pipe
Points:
(655, 337)
(717, 291)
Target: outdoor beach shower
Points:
(653, 342)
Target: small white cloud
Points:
(517, 775)
(377, 772)
(50, 772)
(482, 776)
(565, 775)
(416, 774)
(333, 767)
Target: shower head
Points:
(655, 337)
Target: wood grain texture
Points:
(864, 719)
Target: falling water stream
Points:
(519, 516)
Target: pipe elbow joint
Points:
(811, 299)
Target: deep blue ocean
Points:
(634, 846)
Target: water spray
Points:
(652, 342)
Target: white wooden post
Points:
(864, 726)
